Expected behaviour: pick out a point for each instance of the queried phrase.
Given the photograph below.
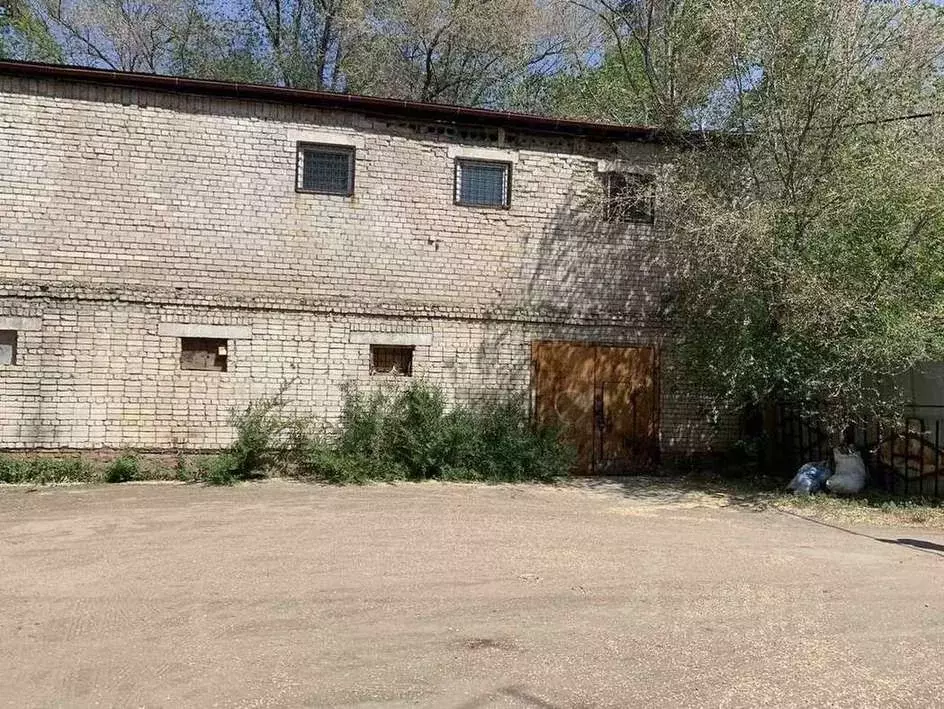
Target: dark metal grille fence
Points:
(906, 458)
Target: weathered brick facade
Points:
(129, 217)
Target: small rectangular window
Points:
(326, 169)
(203, 353)
(630, 197)
(8, 347)
(483, 184)
(391, 359)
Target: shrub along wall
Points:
(406, 433)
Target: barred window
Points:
(483, 184)
(326, 169)
(629, 197)
(391, 359)
(203, 353)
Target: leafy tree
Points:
(304, 41)
(808, 242)
(187, 37)
(454, 51)
(24, 35)
(654, 62)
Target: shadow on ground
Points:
(513, 692)
(649, 489)
(921, 544)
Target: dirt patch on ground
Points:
(586, 595)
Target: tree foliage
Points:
(454, 51)
(24, 35)
(654, 62)
(480, 52)
(809, 241)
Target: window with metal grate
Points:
(483, 184)
(326, 169)
(630, 197)
(391, 359)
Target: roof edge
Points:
(370, 105)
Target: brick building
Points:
(174, 248)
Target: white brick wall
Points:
(122, 212)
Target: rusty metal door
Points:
(605, 399)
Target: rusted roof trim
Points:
(384, 107)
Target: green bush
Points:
(405, 434)
(413, 435)
(326, 463)
(265, 439)
(122, 470)
(224, 469)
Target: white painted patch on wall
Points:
(22, 324)
(222, 332)
(372, 337)
(457, 151)
(328, 137)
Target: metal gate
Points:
(604, 398)
(905, 457)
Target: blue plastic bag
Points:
(810, 479)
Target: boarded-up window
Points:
(203, 353)
(630, 197)
(7, 347)
(483, 184)
(326, 169)
(391, 359)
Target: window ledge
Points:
(487, 154)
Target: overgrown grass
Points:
(45, 469)
(267, 441)
(869, 508)
(42, 470)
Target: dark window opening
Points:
(630, 197)
(8, 347)
(326, 169)
(203, 353)
(483, 184)
(391, 359)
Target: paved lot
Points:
(283, 594)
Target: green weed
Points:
(413, 435)
(44, 470)
(122, 470)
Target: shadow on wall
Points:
(586, 279)
(585, 268)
